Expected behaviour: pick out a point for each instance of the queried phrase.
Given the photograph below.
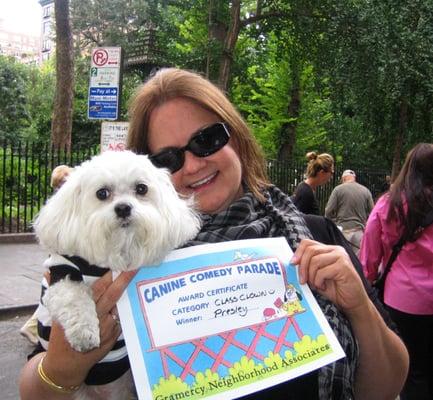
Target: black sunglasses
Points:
(205, 142)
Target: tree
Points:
(378, 56)
(13, 103)
(61, 127)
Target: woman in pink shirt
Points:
(409, 284)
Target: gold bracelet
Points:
(51, 384)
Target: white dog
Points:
(115, 211)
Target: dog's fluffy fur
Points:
(141, 219)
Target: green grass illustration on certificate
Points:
(219, 321)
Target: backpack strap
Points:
(426, 221)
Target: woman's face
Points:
(325, 176)
(215, 180)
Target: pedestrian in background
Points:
(59, 176)
(349, 206)
(320, 168)
(409, 283)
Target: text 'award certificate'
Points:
(219, 321)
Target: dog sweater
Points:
(116, 362)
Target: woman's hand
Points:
(68, 367)
(329, 270)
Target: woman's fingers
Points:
(317, 262)
(100, 286)
(110, 329)
(306, 256)
(107, 292)
(329, 270)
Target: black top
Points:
(305, 200)
(115, 363)
(306, 386)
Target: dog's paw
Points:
(84, 339)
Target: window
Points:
(48, 10)
(46, 28)
(46, 45)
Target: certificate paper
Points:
(219, 321)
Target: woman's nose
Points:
(193, 163)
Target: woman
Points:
(319, 171)
(409, 284)
(187, 125)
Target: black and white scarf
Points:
(248, 218)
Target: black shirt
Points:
(306, 386)
(305, 200)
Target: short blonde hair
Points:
(171, 83)
(318, 162)
(58, 176)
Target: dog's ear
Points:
(55, 225)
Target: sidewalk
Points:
(20, 275)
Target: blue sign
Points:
(103, 102)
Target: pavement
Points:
(21, 270)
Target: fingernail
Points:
(294, 260)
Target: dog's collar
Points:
(85, 267)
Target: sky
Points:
(23, 16)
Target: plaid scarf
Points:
(247, 218)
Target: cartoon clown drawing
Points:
(292, 301)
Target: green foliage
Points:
(356, 63)
(13, 102)
(379, 54)
(23, 182)
(171, 385)
(261, 92)
(204, 379)
(245, 366)
(40, 94)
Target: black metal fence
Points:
(25, 172)
(287, 176)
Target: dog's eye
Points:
(141, 189)
(103, 194)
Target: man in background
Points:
(349, 207)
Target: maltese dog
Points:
(116, 211)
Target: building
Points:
(47, 32)
(21, 46)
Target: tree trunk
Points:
(229, 45)
(61, 125)
(217, 28)
(402, 126)
(288, 130)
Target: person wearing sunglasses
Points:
(320, 168)
(188, 126)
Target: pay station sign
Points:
(104, 83)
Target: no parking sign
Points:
(104, 86)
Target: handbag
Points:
(379, 283)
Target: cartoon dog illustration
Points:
(292, 301)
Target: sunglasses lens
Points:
(172, 159)
(209, 140)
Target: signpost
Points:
(104, 87)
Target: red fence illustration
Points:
(249, 349)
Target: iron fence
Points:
(287, 177)
(25, 172)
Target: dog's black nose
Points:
(122, 210)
